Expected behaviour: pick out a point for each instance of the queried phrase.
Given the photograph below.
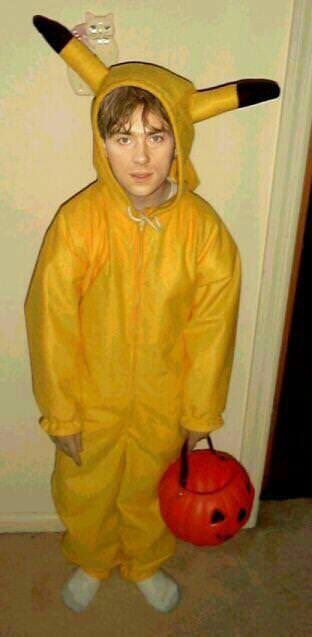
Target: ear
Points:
(76, 54)
(219, 99)
(89, 15)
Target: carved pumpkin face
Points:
(216, 502)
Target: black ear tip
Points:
(54, 33)
(39, 21)
(256, 91)
(276, 91)
(267, 90)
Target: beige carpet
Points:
(255, 585)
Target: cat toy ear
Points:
(73, 51)
(213, 101)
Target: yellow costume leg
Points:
(109, 505)
(146, 540)
(84, 498)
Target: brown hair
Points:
(118, 105)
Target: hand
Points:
(194, 437)
(71, 445)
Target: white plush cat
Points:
(97, 33)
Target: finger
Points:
(67, 444)
(60, 441)
(64, 447)
(74, 451)
(62, 444)
(54, 439)
(58, 444)
(73, 455)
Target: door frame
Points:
(284, 213)
(292, 299)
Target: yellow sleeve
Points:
(52, 325)
(209, 336)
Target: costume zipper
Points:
(138, 294)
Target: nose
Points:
(141, 154)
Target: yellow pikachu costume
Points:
(131, 326)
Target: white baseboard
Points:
(41, 523)
(30, 523)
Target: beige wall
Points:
(46, 157)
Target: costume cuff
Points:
(207, 424)
(56, 427)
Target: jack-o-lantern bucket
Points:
(205, 496)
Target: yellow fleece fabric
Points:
(119, 319)
(131, 331)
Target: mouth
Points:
(140, 176)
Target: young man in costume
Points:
(131, 319)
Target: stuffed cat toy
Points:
(97, 33)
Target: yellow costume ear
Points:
(216, 100)
(203, 104)
(75, 53)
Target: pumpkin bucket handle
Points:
(184, 461)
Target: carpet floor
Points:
(258, 584)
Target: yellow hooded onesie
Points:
(131, 327)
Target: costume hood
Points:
(184, 104)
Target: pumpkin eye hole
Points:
(217, 516)
(248, 486)
(241, 514)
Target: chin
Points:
(141, 190)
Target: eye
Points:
(157, 138)
(123, 140)
(92, 27)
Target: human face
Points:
(140, 158)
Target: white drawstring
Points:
(144, 219)
(155, 223)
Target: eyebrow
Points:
(123, 131)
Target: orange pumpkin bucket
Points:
(205, 496)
